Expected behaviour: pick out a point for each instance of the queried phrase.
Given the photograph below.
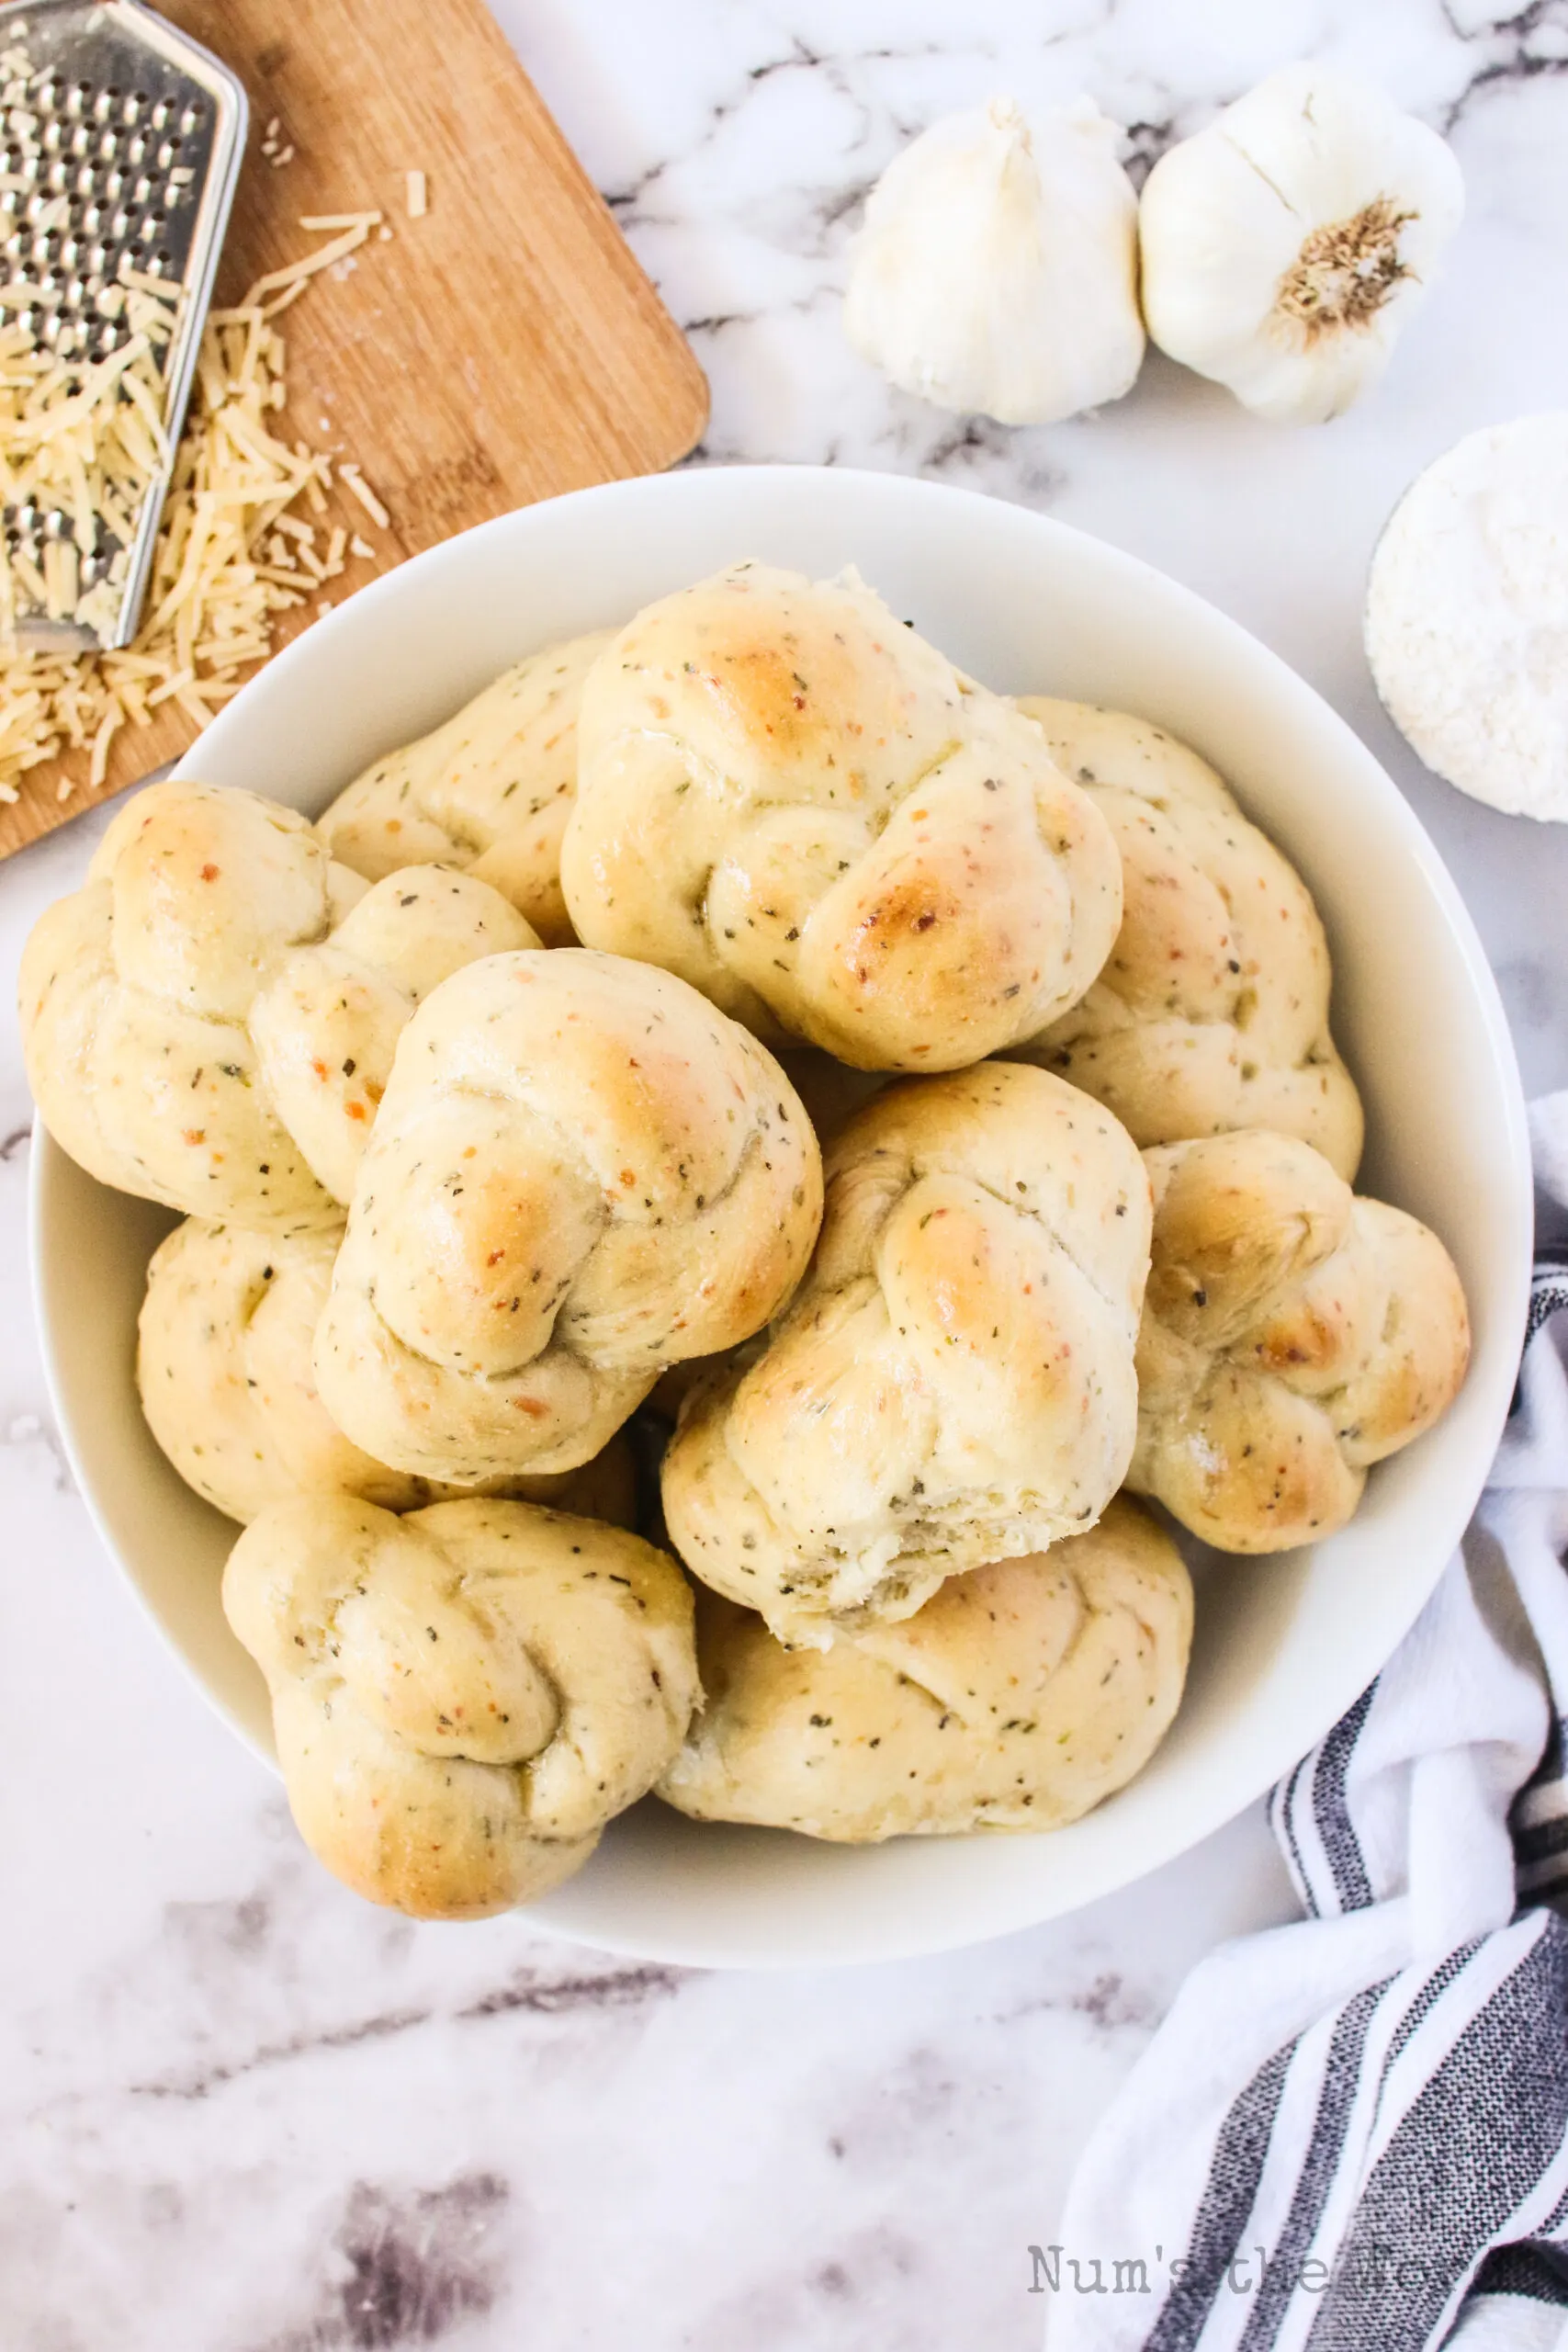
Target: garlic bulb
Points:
(1285, 247)
(997, 270)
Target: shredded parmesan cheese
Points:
(354, 481)
(84, 440)
(418, 196)
(238, 546)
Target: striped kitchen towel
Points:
(1351, 2134)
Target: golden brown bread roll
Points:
(462, 1698)
(953, 1383)
(210, 1020)
(1293, 1334)
(326, 1028)
(490, 790)
(1212, 1011)
(790, 799)
(582, 1172)
(1018, 1697)
(223, 1365)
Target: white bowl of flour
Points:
(1467, 616)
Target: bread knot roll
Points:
(490, 790)
(326, 1028)
(223, 1366)
(1293, 1334)
(209, 1021)
(582, 1172)
(1212, 1012)
(461, 1699)
(1018, 1697)
(793, 801)
(953, 1383)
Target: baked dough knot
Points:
(489, 791)
(463, 1698)
(1212, 1012)
(582, 1172)
(953, 1383)
(1294, 1334)
(795, 802)
(210, 1021)
(1018, 1697)
(223, 1366)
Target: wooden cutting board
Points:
(502, 348)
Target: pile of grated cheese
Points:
(244, 536)
(87, 442)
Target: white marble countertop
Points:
(239, 2111)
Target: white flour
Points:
(1467, 615)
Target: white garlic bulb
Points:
(997, 270)
(1285, 247)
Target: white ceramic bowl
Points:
(1284, 1645)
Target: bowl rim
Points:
(1512, 1149)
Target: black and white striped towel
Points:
(1351, 2133)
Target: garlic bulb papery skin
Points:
(997, 269)
(1285, 247)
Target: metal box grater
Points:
(127, 144)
